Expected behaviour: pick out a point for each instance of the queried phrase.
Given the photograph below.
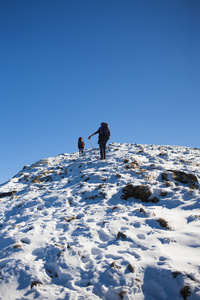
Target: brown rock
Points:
(7, 194)
(131, 268)
(164, 177)
(35, 283)
(122, 235)
(141, 192)
(183, 177)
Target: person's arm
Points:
(93, 134)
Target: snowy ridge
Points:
(67, 232)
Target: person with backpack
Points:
(81, 145)
(104, 135)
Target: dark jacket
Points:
(102, 139)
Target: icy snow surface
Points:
(66, 233)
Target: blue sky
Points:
(68, 65)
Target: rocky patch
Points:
(142, 192)
(180, 176)
(6, 194)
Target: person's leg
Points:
(104, 151)
(101, 150)
(102, 146)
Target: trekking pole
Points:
(93, 149)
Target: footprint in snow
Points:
(103, 236)
(90, 220)
(162, 260)
(97, 252)
(141, 236)
(25, 240)
(137, 224)
(124, 228)
(133, 253)
(52, 270)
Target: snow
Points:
(66, 233)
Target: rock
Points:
(118, 175)
(35, 283)
(163, 223)
(125, 160)
(194, 186)
(164, 176)
(114, 266)
(16, 246)
(122, 235)
(180, 176)
(183, 177)
(7, 194)
(60, 246)
(154, 200)
(141, 210)
(163, 193)
(70, 218)
(175, 274)
(127, 191)
(185, 292)
(133, 165)
(131, 268)
(141, 192)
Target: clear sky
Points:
(68, 65)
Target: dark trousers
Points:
(102, 145)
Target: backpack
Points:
(104, 130)
(80, 143)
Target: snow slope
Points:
(66, 232)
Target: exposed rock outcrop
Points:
(141, 192)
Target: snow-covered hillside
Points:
(73, 227)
